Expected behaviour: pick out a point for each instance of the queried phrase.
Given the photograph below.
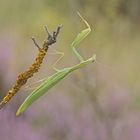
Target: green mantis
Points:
(60, 73)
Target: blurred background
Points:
(98, 102)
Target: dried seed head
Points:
(52, 37)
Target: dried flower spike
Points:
(23, 77)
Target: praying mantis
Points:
(60, 74)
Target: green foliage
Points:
(60, 74)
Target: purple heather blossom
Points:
(14, 128)
(6, 54)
